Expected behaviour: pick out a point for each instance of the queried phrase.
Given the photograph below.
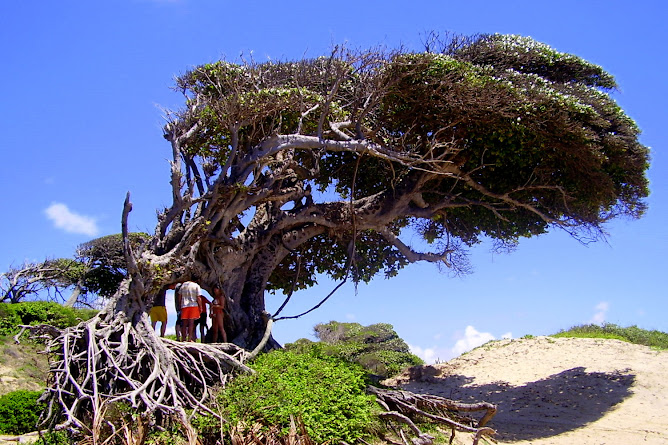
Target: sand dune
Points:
(559, 391)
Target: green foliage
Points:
(377, 347)
(54, 438)
(632, 334)
(530, 135)
(327, 394)
(171, 434)
(39, 312)
(19, 412)
(105, 262)
(528, 82)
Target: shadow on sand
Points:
(562, 402)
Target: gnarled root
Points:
(404, 406)
(100, 363)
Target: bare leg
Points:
(218, 329)
(189, 326)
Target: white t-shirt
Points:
(189, 292)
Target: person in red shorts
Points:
(188, 293)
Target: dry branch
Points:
(403, 406)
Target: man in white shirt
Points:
(188, 293)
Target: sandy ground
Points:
(558, 391)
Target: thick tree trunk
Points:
(243, 282)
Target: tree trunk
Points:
(73, 297)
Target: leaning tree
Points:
(281, 171)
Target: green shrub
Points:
(19, 411)
(54, 438)
(325, 393)
(377, 347)
(631, 334)
(39, 312)
(9, 319)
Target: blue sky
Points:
(85, 83)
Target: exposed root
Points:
(42, 331)
(404, 407)
(99, 364)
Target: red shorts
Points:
(190, 313)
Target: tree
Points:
(104, 266)
(283, 170)
(97, 269)
(31, 279)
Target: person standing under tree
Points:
(187, 295)
(159, 311)
(217, 315)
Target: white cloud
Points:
(431, 355)
(472, 339)
(426, 354)
(71, 222)
(601, 312)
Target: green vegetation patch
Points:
(376, 347)
(324, 393)
(19, 411)
(632, 334)
(39, 312)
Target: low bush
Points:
(39, 312)
(632, 334)
(325, 394)
(377, 347)
(19, 412)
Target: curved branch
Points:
(409, 253)
(265, 338)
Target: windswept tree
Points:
(284, 170)
(103, 265)
(32, 280)
(97, 270)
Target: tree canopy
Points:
(494, 136)
(105, 262)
